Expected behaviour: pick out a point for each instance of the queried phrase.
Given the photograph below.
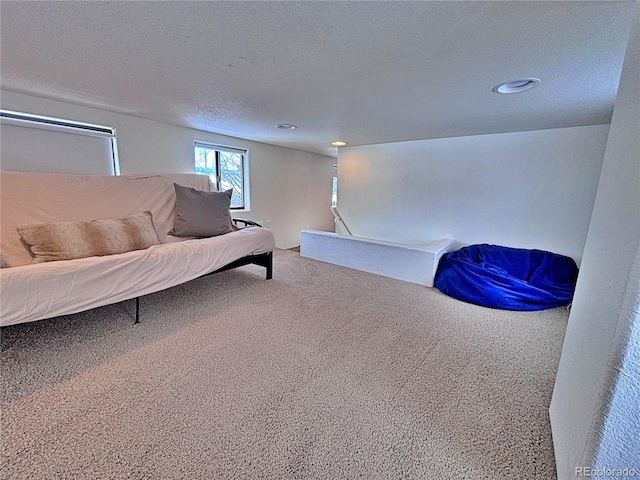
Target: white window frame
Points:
(216, 179)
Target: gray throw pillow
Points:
(201, 214)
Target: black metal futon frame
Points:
(262, 260)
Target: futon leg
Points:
(137, 310)
(269, 266)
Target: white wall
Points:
(290, 187)
(595, 409)
(528, 189)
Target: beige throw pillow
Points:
(70, 240)
(3, 263)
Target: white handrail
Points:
(338, 219)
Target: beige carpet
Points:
(321, 373)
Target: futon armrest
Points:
(246, 222)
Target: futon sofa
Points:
(34, 289)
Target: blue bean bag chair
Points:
(507, 278)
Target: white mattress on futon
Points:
(44, 290)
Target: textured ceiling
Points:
(362, 72)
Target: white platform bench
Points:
(416, 264)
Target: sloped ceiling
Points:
(362, 72)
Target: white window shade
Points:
(31, 143)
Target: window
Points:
(334, 192)
(226, 168)
(56, 145)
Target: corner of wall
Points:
(594, 408)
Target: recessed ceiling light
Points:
(516, 86)
(286, 126)
(338, 144)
